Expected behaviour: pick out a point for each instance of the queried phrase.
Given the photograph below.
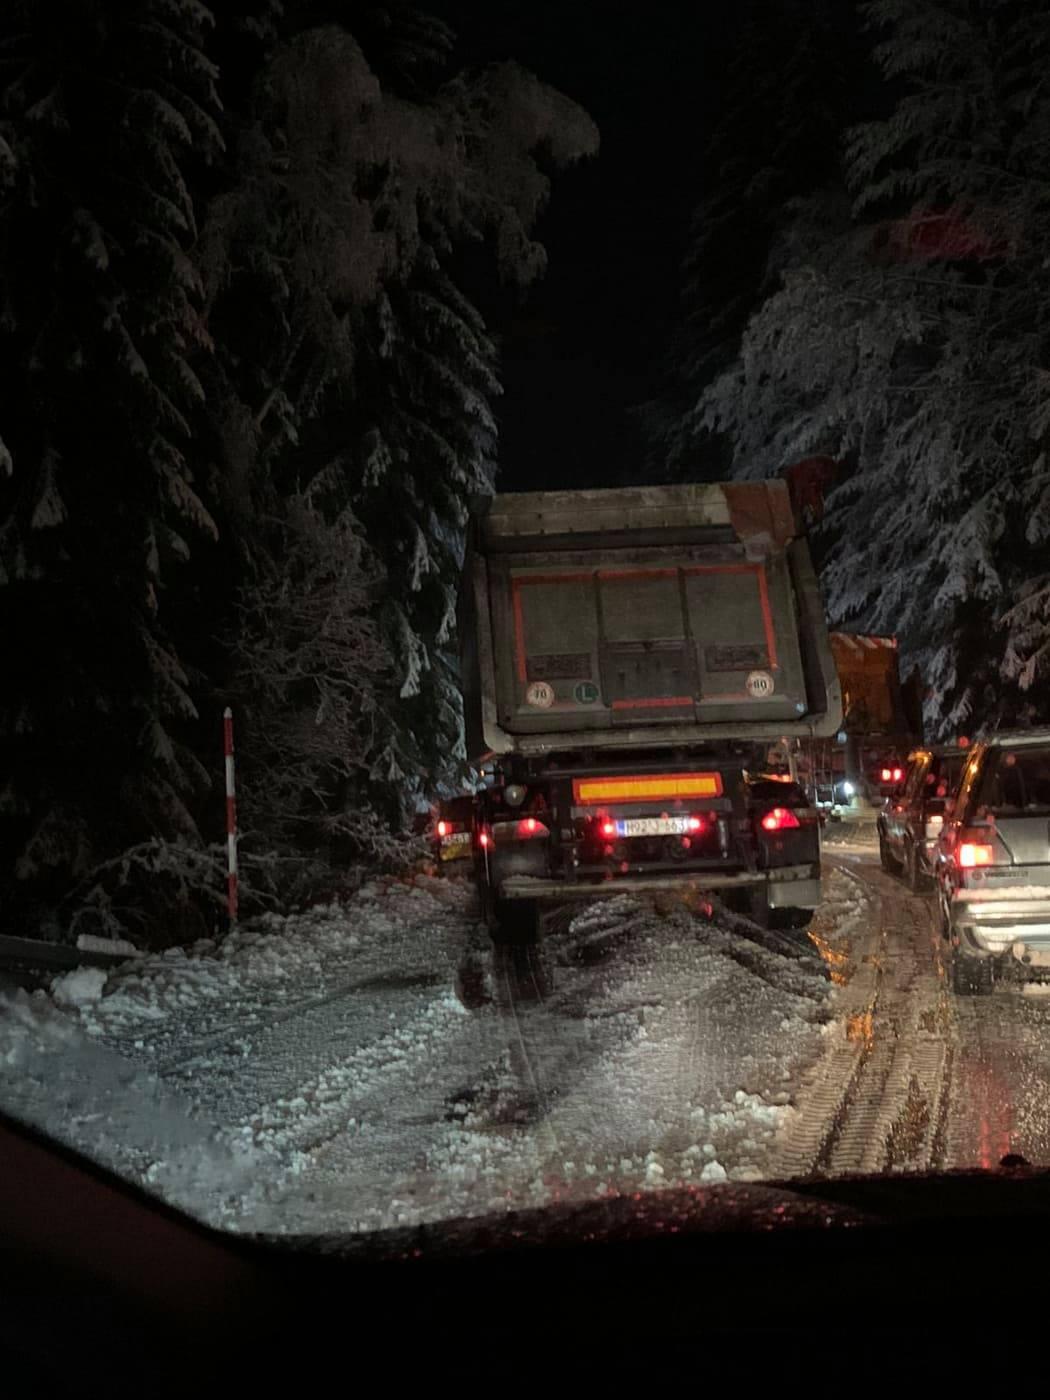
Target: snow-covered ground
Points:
(322, 1073)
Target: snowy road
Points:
(321, 1072)
(913, 1077)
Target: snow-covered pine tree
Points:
(103, 110)
(309, 668)
(907, 339)
(350, 365)
(425, 443)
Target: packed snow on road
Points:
(373, 1063)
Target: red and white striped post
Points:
(231, 816)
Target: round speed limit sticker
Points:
(540, 694)
(760, 684)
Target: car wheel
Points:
(888, 862)
(913, 873)
(972, 977)
(946, 926)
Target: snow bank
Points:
(95, 1102)
(320, 1071)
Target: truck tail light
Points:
(971, 853)
(898, 774)
(886, 775)
(443, 828)
(780, 819)
(608, 828)
(528, 827)
(484, 839)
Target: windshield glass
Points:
(1016, 781)
(943, 776)
(512, 522)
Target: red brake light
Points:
(887, 775)
(608, 828)
(898, 774)
(484, 839)
(696, 823)
(970, 854)
(442, 828)
(779, 819)
(529, 826)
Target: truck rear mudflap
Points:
(789, 886)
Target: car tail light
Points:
(529, 826)
(887, 775)
(971, 853)
(898, 774)
(443, 828)
(780, 819)
(484, 839)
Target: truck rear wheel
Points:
(914, 874)
(792, 918)
(515, 922)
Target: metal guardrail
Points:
(37, 953)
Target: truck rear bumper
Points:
(791, 886)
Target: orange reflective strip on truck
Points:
(647, 788)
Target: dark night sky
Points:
(585, 346)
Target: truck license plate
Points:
(652, 826)
(456, 843)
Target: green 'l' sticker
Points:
(586, 693)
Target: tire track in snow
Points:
(878, 1099)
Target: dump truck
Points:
(881, 724)
(628, 658)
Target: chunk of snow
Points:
(91, 943)
(714, 1171)
(81, 987)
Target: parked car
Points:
(993, 862)
(451, 830)
(912, 817)
(885, 772)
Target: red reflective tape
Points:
(637, 573)
(767, 619)
(663, 702)
(722, 569)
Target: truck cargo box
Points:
(644, 616)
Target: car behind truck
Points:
(628, 659)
